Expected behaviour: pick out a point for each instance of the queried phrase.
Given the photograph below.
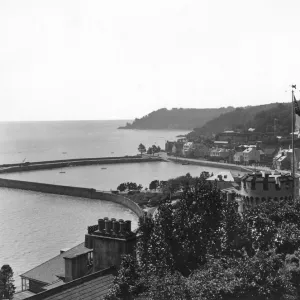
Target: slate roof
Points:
(22, 295)
(90, 287)
(47, 272)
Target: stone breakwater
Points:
(43, 165)
(72, 191)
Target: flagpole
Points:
(293, 129)
(293, 146)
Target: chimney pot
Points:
(107, 226)
(116, 226)
(122, 226)
(128, 226)
(101, 224)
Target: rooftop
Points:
(248, 150)
(47, 272)
(93, 286)
(224, 176)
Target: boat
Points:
(185, 163)
(62, 172)
(103, 168)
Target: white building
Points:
(187, 148)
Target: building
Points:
(283, 159)
(177, 149)
(251, 155)
(104, 245)
(168, 146)
(246, 137)
(225, 179)
(238, 157)
(220, 154)
(261, 186)
(221, 143)
(89, 287)
(188, 148)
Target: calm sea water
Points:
(35, 226)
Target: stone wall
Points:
(43, 165)
(71, 191)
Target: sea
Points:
(35, 226)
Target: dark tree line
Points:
(204, 249)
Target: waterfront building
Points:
(283, 159)
(238, 157)
(169, 146)
(251, 155)
(220, 153)
(187, 148)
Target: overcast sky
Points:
(93, 59)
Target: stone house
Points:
(238, 157)
(251, 155)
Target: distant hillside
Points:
(259, 117)
(177, 118)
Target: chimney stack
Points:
(109, 240)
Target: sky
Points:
(117, 59)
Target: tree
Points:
(129, 186)
(6, 276)
(122, 187)
(154, 185)
(149, 151)
(142, 149)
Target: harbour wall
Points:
(43, 165)
(71, 191)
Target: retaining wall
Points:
(211, 164)
(71, 191)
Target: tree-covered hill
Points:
(177, 118)
(261, 117)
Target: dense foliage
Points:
(260, 117)
(154, 149)
(7, 288)
(179, 118)
(203, 249)
(129, 186)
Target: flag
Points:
(297, 116)
(296, 106)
